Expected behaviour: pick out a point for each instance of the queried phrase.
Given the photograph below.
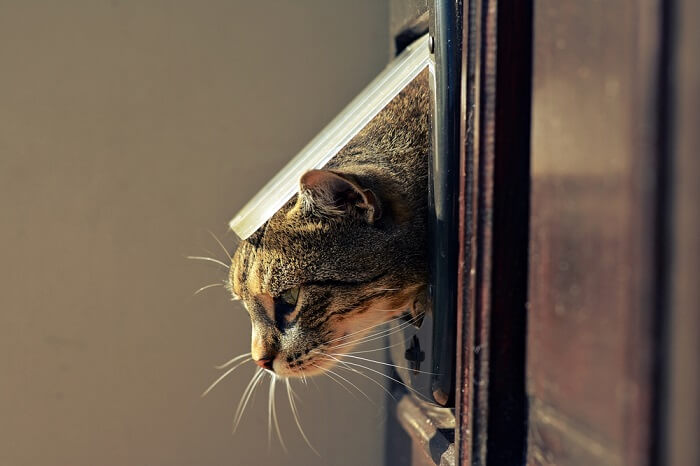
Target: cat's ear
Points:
(328, 193)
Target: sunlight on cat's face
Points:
(316, 280)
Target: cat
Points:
(348, 251)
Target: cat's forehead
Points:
(271, 266)
(291, 249)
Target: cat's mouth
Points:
(308, 366)
(310, 361)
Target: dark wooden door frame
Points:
(492, 409)
(503, 204)
(494, 193)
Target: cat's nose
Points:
(265, 363)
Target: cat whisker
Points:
(297, 398)
(209, 259)
(220, 244)
(352, 384)
(406, 321)
(313, 381)
(245, 397)
(388, 377)
(328, 373)
(270, 397)
(273, 381)
(380, 324)
(223, 376)
(378, 335)
(378, 349)
(363, 330)
(296, 416)
(206, 287)
(231, 361)
(382, 363)
(382, 332)
(343, 365)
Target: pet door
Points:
(427, 352)
(322, 148)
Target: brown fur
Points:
(353, 240)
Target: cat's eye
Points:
(291, 296)
(284, 306)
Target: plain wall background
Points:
(127, 129)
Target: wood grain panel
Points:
(597, 178)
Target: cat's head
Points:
(325, 269)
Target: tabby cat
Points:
(348, 251)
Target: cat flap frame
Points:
(322, 148)
(433, 342)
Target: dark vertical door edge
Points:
(510, 231)
(492, 409)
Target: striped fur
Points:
(353, 239)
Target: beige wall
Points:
(127, 129)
